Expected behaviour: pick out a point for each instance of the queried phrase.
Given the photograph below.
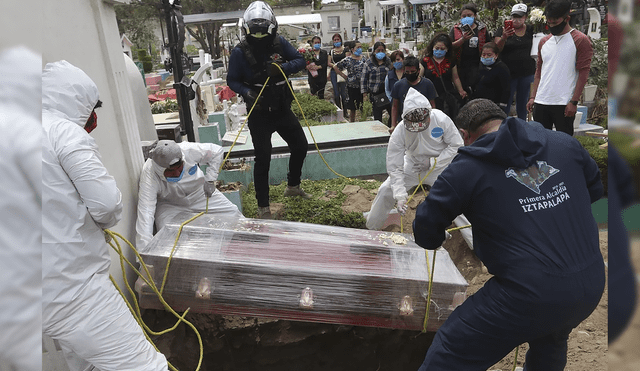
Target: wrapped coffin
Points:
(299, 271)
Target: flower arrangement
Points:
(310, 57)
(538, 20)
(307, 53)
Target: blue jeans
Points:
(339, 90)
(521, 87)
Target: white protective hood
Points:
(68, 92)
(79, 197)
(412, 152)
(80, 307)
(160, 201)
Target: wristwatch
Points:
(574, 102)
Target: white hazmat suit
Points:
(20, 233)
(410, 157)
(80, 306)
(162, 200)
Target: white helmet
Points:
(259, 22)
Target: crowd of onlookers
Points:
(469, 62)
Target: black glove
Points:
(250, 97)
(274, 71)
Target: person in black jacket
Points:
(318, 80)
(263, 54)
(494, 80)
(527, 192)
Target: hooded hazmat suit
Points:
(20, 233)
(527, 192)
(410, 156)
(162, 200)
(80, 306)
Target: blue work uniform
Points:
(273, 114)
(527, 192)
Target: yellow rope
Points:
(308, 126)
(135, 311)
(515, 362)
(458, 228)
(303, 116)
(430, 274)
(243, 124)
(435, 161)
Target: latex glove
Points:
(402, 206)
(107, 236)
(447, 237)
(209, 188)
(250, 97)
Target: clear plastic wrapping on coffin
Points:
(300, 271)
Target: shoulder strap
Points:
(246, 50)
(437, 70)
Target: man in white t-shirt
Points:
(564, 59)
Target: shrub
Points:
(312, 106)
(313, 210)
(191, 49)
(147, 63)
(165, 106)
(367, 110)
(600, 155)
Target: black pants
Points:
(377, 111)
(468, 73)
(316, 87)
(354, 98)
(261, 126)
(548, 115)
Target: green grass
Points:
(600, 155)
(313, 210)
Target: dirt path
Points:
(623, 354)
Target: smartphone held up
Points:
(508, 24)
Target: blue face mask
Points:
(467, 20)
(175, 179)
(316, 46)
(380, 55)
(397, 65)
(438, 53)
(357, 52)
(337, 44)
(487, 61)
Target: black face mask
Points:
(411, 77)
(557, 29)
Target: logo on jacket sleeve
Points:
(533, 176)
(437, 132)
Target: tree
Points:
(138, 20)
(208, 34)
